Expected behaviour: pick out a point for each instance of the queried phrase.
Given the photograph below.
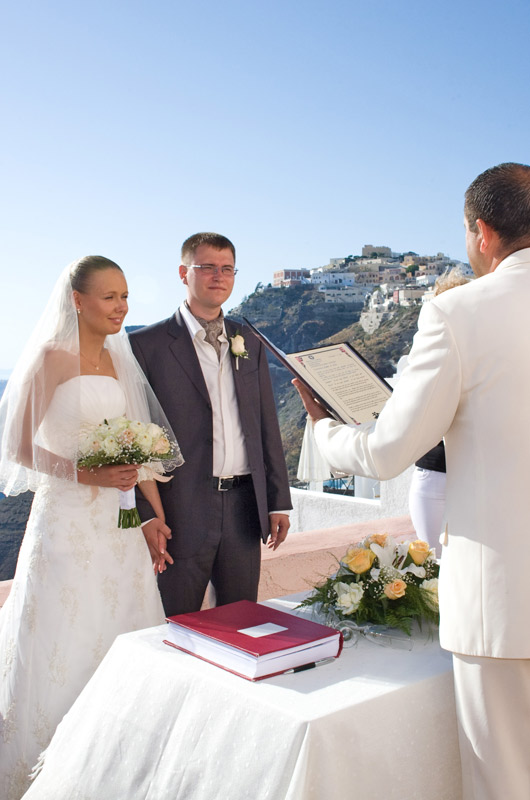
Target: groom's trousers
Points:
(229, 555)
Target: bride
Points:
(80, 580)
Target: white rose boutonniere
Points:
(237, 348)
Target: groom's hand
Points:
(278, 526)
(156, 534)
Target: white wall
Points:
(318, 510)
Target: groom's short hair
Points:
(215, 240)
(500, 197)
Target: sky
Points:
(301, 130)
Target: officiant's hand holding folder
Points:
(252, 640)
(338, 376)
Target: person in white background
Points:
(468, 380)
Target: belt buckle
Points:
(220, 487)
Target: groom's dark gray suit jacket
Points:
(166, 353)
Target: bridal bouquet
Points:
(382, 582)
(124, 441)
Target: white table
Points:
(157, 724)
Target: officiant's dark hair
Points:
(215, 240)
(83, 268)
(501, 197)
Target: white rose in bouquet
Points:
(349, 596)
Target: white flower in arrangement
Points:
(431, 586)
(145, 443)
(237, 348)
(118, 424)
(153, 431)
(414, 569)
(88, 443)
(349, 596)
(110, 446)
(386, 553)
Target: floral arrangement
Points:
(124, 441)
(238, 348)
(382, 582)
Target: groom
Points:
(232, 490)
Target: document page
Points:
(343, 380)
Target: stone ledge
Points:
(306, 558)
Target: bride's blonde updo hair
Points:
(82, 269)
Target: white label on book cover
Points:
(267, 629)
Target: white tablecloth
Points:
(157, 724)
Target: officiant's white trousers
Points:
(493, 709)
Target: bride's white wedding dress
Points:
(80, 581)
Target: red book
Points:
(253, 640)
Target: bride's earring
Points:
(78, 310)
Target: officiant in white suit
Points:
(468, 380)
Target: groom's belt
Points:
(230, 482)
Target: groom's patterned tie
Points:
(214, 329)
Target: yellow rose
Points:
(418, 551)
(359, 560)
(396, 589)
(378, 538)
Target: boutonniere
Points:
(237, 348)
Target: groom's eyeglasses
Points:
(210, 269)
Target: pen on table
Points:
(309, 666)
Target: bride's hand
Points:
(115, 476)
(156, 533)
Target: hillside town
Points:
(378, 279)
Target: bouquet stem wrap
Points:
(128, 516)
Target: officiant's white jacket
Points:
(467, 379)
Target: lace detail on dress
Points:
(57, 666)
(17, 780)
(9, 726)
(30, 614)
(8, 657)
(42, 727)
(70, 603)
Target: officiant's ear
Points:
(183, 272)
(487, 235)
